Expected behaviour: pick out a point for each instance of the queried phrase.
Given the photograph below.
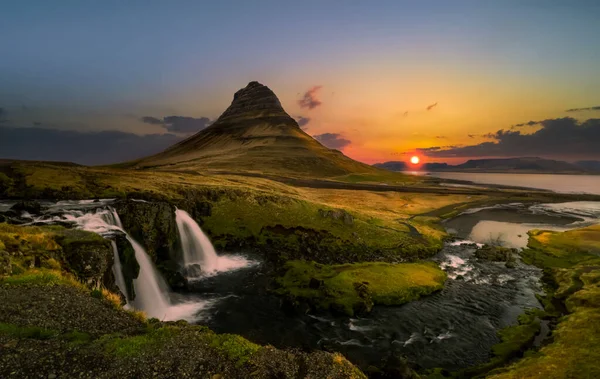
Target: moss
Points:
(137, 345)
(33, 332)
(235, 347)
(572, 275)
(357, 287)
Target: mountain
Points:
(254, 134)
(403, 166)
(524, 165)
(589, 165)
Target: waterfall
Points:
(151, 290)
(197, 249)
(118, 271)
(199, 256)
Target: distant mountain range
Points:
(521, 165)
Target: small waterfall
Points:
(118, 271)
(197, 249)
(151, 290)
(199, 256)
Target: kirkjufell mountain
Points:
(254, 134)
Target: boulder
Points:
(29, 206)
(338, 215)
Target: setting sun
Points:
(414, 160)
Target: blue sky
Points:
(102, 65)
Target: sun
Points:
(414, 160)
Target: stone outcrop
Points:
(254, 100)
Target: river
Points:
(453, 328)
(589, 184)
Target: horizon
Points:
(445, 82)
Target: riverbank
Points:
(54, 325)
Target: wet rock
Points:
(495, 253)
(88, 255)
(29, 206)
(338, 215)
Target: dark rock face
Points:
(255, 100)
(88, 256)
(29, 206)
(337, 214)
(129, 265)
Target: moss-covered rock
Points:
(355, 288)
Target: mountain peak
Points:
(253, 101)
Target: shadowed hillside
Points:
(254, 134)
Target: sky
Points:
(379, 80)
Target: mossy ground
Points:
(357, 287)
(55, 326)
(572, 274)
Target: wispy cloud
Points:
(596, 108)
(302, 121)
(310, 100)
(430, 107)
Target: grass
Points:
(350, 288)
(32, 332)
(43, 277)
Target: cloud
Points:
(441, 137)
(471, 135)
(529, 123)
(104, 147)
(405, 113)
(596, 108)
(560, 137)
(152, 120)
(179, 124)
(430, 107)
(309, 100)
(302, 121)
(2, 114)
(332, 140)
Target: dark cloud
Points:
(596, 108)
(152, 120)
(104, 147)
(529, 123)
(179, 124)
(471, 135)
(2, 115)
(302, 121)
(561, 137)
(309, 100)
(430, 107)
(332, 140)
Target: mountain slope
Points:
(254, 134)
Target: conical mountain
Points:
(254, 134)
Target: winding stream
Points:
(453, 328)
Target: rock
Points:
(315, 283)
(495, 253)
(29, 206)
(511, 264)
(337, 214)
(88, 255)
(5, 263)
(251, 101)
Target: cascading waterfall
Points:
(197, 249)
(199, 256)
(151, 290)
(118, 271)
(152, 294)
